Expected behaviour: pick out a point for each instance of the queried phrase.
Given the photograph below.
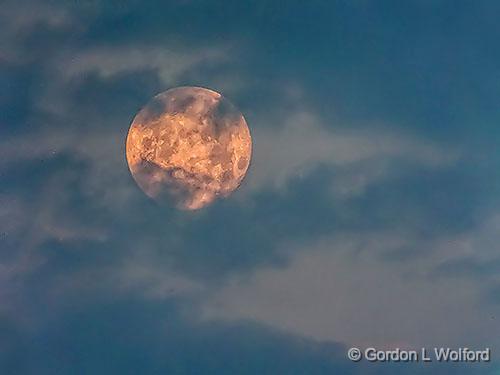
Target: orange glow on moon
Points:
(189, 145)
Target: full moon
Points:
(189, 146)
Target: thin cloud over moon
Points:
(189, 145)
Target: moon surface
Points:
(189, 146)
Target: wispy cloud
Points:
(169, 62)
(301, 141)
(341, 289)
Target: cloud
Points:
(169, 62)
(21, 19)
(302, 141)
(343, 288)
(129, 336)
(102, 151)
(473, 256)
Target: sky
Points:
(369, 217)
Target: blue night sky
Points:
(370, 216)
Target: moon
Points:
(189, 146)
